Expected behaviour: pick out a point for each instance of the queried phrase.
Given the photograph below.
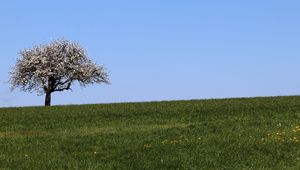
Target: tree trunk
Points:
(48, 99)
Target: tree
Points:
(55, 67)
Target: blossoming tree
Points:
(55, 67)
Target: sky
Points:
(161, 49)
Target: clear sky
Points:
(162, 49)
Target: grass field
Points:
(254, 133)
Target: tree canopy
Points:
(54, 67)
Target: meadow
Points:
(243, 133)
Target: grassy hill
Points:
(245, 133)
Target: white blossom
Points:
(54, 67)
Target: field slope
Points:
(253, 133)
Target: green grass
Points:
(254, 133)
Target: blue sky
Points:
(162, 50)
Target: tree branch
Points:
(66, 88)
